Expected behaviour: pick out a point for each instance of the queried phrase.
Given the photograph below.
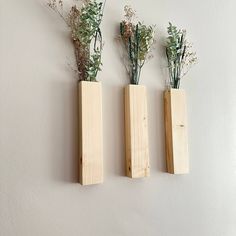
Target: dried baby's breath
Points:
(179, 55)
(84, 24)
(138, 39)
(129, 13)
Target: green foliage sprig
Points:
(84, 24)
(179, 55)
(138, 39)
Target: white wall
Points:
(39, 195)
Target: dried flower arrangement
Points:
(84, 24)
(179, 55)
(138, 39)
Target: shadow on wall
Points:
(64, 135)
(161, 159)
(113, 116)
(63, 113)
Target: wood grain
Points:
(90, 133)
(176, 131)
(136, 127)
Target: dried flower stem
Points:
(179, 55)
(137, 39)
(84, 24)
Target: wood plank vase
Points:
(90, 133)
(136, 132)
(176, 137)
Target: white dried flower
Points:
(129, 13)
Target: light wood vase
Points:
(176, 137)
(136, 132)
(90, 133)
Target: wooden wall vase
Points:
(90, 133)
(176, 131)
(136, 132)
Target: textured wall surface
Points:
(39, 195)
